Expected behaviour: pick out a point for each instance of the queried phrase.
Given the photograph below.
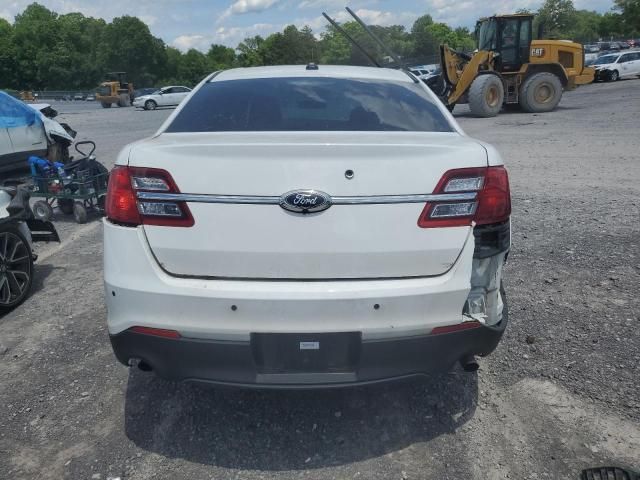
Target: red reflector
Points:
(455, 328)
(156, 332)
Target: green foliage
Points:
(556, 16)
(630, 18)
(44, 50)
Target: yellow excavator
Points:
(509, 68)
(115, 90)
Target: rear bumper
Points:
(139, 293)
(237, 363)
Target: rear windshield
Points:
(309, 104)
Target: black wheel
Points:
(105, 104)
(540, 92)
(102, 199)
(65, 205)
(42, 211)
(16, 267)
(79, 212)
(486, 95)
(150, 105)
(614, 76)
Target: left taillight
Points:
(124, 207)
(492, 203)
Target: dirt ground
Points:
(559, 394)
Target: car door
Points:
(182, 93)
(25, 128)
(6, 148)
(625, 65)
(170, 96)
(164, 97)
(634, 63)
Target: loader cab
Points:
(509, 36)
(118, 78)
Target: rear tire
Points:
(105, 104)
(42, 211)
(79, 212)
(541, 92)
(486, 95)
(65, 205)
(123, 100)
(150, 105)
(16, 271)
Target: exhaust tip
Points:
(144, 366)
(469, 364)
(141, 364)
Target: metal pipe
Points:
(375, 38)
(351, 39)
(469, 363)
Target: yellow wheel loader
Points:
(509, 68)
(115, 90)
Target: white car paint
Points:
(248, 268)
(165, 97)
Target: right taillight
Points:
(124, 207)
(492, 203)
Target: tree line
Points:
(43, 50)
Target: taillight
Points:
(491, 205)
(123, 206)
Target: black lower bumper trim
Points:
(234, 363)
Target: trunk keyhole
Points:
(349, 174)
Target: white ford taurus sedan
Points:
(306, 226)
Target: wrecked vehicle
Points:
(18, 231)
(297, 227)
(30, 129)
(614, 66)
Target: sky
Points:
(197, 24)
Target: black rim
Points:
(15, 268)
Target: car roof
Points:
(332, 71)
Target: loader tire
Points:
(486, 95)
(540, 92)
(123, 100)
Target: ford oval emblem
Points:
(305, 201)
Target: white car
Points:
(25, 130)
(614, 66)
(165, 97)
(18, 231)
(312, 226)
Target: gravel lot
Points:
(559, 394)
